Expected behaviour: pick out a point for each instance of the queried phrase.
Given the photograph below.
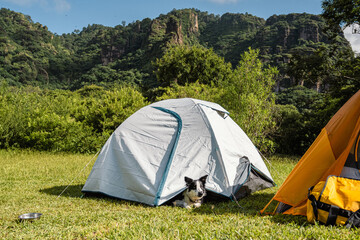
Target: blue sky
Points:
(64, 16)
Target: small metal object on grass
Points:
(30, 216)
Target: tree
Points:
(344, 13)
(348, 82)
(246, 92)
(300, 116)
(250, 99)
(312, 69)
(192, 90)
(341, 12)
(185, 64)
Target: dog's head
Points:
(195, 188)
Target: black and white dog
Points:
(194, 193)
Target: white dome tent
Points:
(149, 154)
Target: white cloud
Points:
(353, 38)
(57, 5)
(62, 5)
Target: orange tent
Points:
(326, 156)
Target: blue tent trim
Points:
(172, 153)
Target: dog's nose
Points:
(200, 194)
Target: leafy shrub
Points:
(59, 133)
(185, 64)
(104, 110)
(192, 90)
(245, 92)
(301, 113)
(289, 135)
(58, 120)
(250, 99)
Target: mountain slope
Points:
(30, 54)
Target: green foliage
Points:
(249, 97)
(108, 76)
(31, 55)
(301, 38)
(289, 137)
(229, 35)
(198, 66)
(192, 90)
(245, 92)
(105, 110)
(347, 81)
(27, 50)
(184, 64)
(300, 97)
(320, 67)
(301, 113)
(341, 12)
(58, 120)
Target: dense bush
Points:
(59, 120)
(246, 92)
(81, 121)
(250, 98)
(185, 64)
(301, 113)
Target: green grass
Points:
(32, 182)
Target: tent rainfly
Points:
(149, 154)
(336, 151)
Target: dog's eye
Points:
(192, 186)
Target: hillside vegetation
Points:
(124, 54)
(69, 92)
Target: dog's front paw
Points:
(196, 205)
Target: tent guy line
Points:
(78, 174)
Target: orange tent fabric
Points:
(326, 156)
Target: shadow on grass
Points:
(73, 191)
(286, 219)
(249, 206)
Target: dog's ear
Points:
(203, 179)
(188, 181)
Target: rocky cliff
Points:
(135, 46)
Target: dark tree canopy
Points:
(341, 12)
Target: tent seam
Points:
(168, 164)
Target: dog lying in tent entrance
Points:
(194, 194)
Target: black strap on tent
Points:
(333, 211)
(313, 202)
(353, 220)
(314, 205)
(332, 208)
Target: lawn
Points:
(33, 181)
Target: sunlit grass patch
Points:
(33, 181)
